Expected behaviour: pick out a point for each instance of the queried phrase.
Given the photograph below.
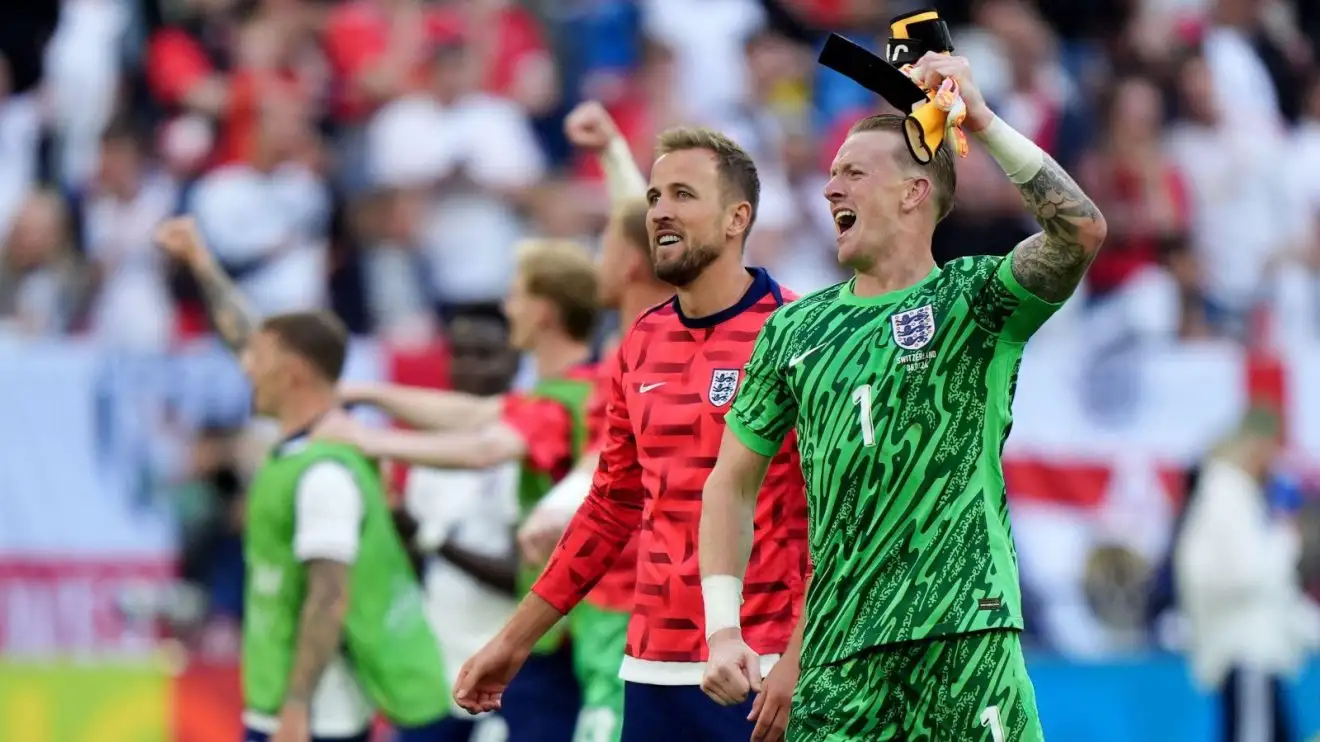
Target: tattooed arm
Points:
(1051, 262)
(234, 321)
(328, 515)
(319, 628)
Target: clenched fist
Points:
(181, 240)
(590, 127)
(933, 69)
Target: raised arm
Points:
(1051, 262)
(590, 127)
(429, 409)
(481, 449)
(233, 320)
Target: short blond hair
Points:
(942, 169)
(630, 218)
(563, 273)
(738, 176)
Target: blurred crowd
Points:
(383, 157)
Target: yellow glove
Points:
(931, 123)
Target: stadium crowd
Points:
(384, 157)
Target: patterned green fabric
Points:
(599, 640)
(902, 405)
(970, 688)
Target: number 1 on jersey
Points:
(990, 718)
(861, 397)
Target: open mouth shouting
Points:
(844, 219)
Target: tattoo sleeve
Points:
(1051, 262)
(229, 312)
(320, 627)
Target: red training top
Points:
(615, 590)
(547, 428)
(665, 421)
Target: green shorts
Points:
(599, 638)
(971, 688)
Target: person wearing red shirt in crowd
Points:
(188, 70)
(1131, 175)
(679, 368)
(377, 50)
(551, 307)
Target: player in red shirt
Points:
(552, 310)
(679, 367)
(628, 284)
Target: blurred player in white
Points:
(465, 521)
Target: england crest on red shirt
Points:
(723, 385)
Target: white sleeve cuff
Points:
(328, 513)
(569, 494)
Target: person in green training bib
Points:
(899, 383)
(571, 690)
(333, 625)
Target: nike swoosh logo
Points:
(799, 358)
(644, 388)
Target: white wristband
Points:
(722, 595)
(1019, 157)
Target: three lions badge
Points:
(915, 328)
(723, 385)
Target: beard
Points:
(685, 268)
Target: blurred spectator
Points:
(83, 81)
(223, 63)
(1242, 208)
(267, 218)
(210, 509)
(1297, 289)
(20, 134)
(1132, 180)
(707, 38)
(43, 283)
(378, 49)
(1238, 585)
(794, 235)
(476, 156)
(374, 48)
(129, 198)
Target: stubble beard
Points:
(687, 267)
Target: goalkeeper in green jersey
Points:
(333, 626)
(899, 383)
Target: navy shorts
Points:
(543, 701)
(664, 713)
